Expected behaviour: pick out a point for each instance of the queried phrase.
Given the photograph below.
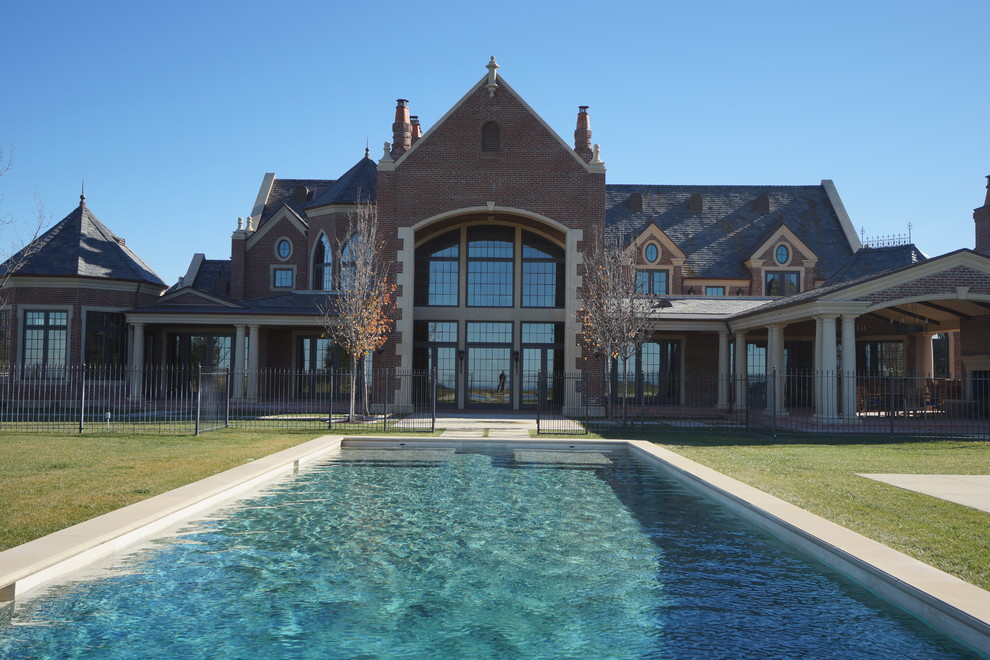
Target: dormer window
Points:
(283, 249)
(635, 202)
(651, 252)
(322, 265)
(782, 254)
(490, 138)
(763, 204)
(695, 204)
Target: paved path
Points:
(507, 426)
(972, 490)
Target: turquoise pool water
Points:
(431, 554)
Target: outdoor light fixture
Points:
(460, 355)
(515, 356)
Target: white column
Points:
(829, 398)
(775, 365)
(723, 370)
(818, 380)
(950, 349)
(926, 358)
(740, 370)
(849, 367)
(252, 379)
(137, 360)
(237, 391)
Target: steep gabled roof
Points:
(720, 237)
(357, 183)
(869, 261)
(82, 246)
(284, 193)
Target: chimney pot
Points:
(582, 134)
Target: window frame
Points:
(781, 274)
(276, 270)
(647, 276)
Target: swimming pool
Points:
(432, 553)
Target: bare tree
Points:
(358, 316)
(18, 245)
(613, 313)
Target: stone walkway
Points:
(972, 490)
(492, 426)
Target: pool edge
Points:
(26, 566)
(950, 605)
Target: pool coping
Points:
(951, 605)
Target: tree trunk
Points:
(352, 415)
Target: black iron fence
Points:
(183, 400)
(802, 402)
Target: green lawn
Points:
(819, 475)
(50, 482)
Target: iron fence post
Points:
(773, 404)
(433, 399)
(329, 399)
(226, 412)
(890, 402)
(82, 395)
(199, 393)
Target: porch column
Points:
(775, 364)
(818, 380)
(740, 370)
(924, 356)
(137, 361)
(829, 398)
(950, 349)
(723, 370)
(237, 391)
(849, 367)
(252, 367)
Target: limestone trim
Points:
(263, 194)
(840, 211)
(284, 213)
(505, 210)
(784, 235)
(189, 291)
(94, 283)
(221, 319)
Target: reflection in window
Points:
(282, 278)
(45, 339)
(781, 283)
(489, 266)
(436, 271)
(105, 339)
(542, 272)
(207, 350)
(322, 265)
(651, 282)
(489, 333)
(714, 290)
(347, 264)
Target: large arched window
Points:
(347, 264)
(437, 263)
(494, 258)
(322, 265)
(542, 272)
(490, 252)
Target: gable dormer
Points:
(782, 265)
(658, 262)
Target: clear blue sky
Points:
(173, 112)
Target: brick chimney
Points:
(582, 134)
(982, 218)
(401, 129)
(417, 130)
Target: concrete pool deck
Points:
(957, 608)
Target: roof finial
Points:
(367, 149)
(82, 194)
(492, 85)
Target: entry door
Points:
(540, 377)
(489, 376)
(444, 359)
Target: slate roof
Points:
(729, 229)
(718, 306)
(81, 246)
(869, 261)
(359, 182)
(284, 192)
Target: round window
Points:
(783, 254)
(652, 252)
(284, 249)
